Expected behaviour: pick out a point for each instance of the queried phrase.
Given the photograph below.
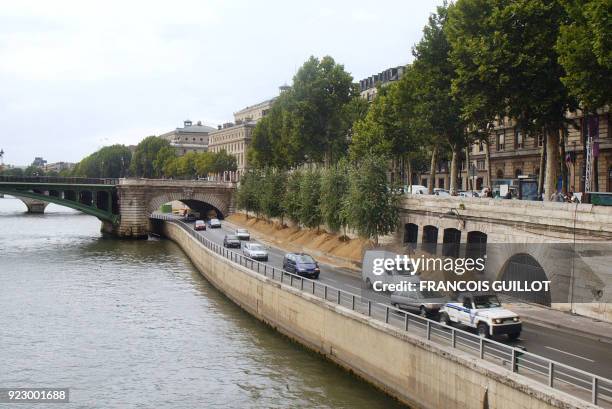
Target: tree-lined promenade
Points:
(479, 61)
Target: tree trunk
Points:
(552, 163)
(409, 174)
(453, 171)
(468, 177)
(432, 169)
(542, 167)
(488, 165)
(562, 162)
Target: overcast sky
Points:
(78, 75)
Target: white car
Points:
(255, 251)
(484, 313)
(214, 223)
(243, 234)
(416, 189)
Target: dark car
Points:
(190, 218)
(301, 264)
(231, 240)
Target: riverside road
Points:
(575, 350)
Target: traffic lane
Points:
(330, 275)
(573, 350)
(579, 352)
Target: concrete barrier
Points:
(414, 370)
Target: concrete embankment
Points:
(416, 371)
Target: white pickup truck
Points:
(483, 312)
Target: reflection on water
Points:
(133, 324)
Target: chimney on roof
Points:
(199, 123)
(187, 123)
(219, 127)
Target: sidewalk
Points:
(563, 321)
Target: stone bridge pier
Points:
(33, 205)
(138, 198)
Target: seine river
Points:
(132, 324)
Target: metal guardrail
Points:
(576, 382)
(62, 180)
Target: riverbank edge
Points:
(413, 370)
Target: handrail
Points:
(556, 373)
(62, 180)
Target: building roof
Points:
(259, 104)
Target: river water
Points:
(132, 324)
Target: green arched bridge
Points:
(123, 205)
(96, 197)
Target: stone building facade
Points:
(514, 153)
(367, 86)
(189, 138)
(235, 139)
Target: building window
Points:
(517, 173)
(480, 164)
(480, 146)
(540, 140)
(501, 138)
(518, 139)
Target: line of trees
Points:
(340, 196)
(153, 157)
(478, 61)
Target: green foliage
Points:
(291, 199)
(164, 157)
(248, 194)
(311, 121)
(334, 187)
(272, 190)
(145, 156)
(108, 162)
(310, 197)
(584, 46)
(372, 205)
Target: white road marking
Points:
(568, 353)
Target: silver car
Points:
(243, 234)
(425, 302)
(255, 251)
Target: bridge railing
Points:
(576, 382)
(59, 180)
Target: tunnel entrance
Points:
(523, 267)
(201, 209)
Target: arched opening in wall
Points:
(198, 208)
(522, 267)
(411, 233)
(610, 179)
(499, 174)
(479, 183)
(517, 173)
(430, 239)
(451, 241)
(476, 246)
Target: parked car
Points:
(190, 218)
(214, 223)
(301, 264)
(416, 189)
(483, 312)
(441, 192)
(231, 240)
(243, 234)
(427, 303)
(255, 251)
(468, 193)
(199, 225)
